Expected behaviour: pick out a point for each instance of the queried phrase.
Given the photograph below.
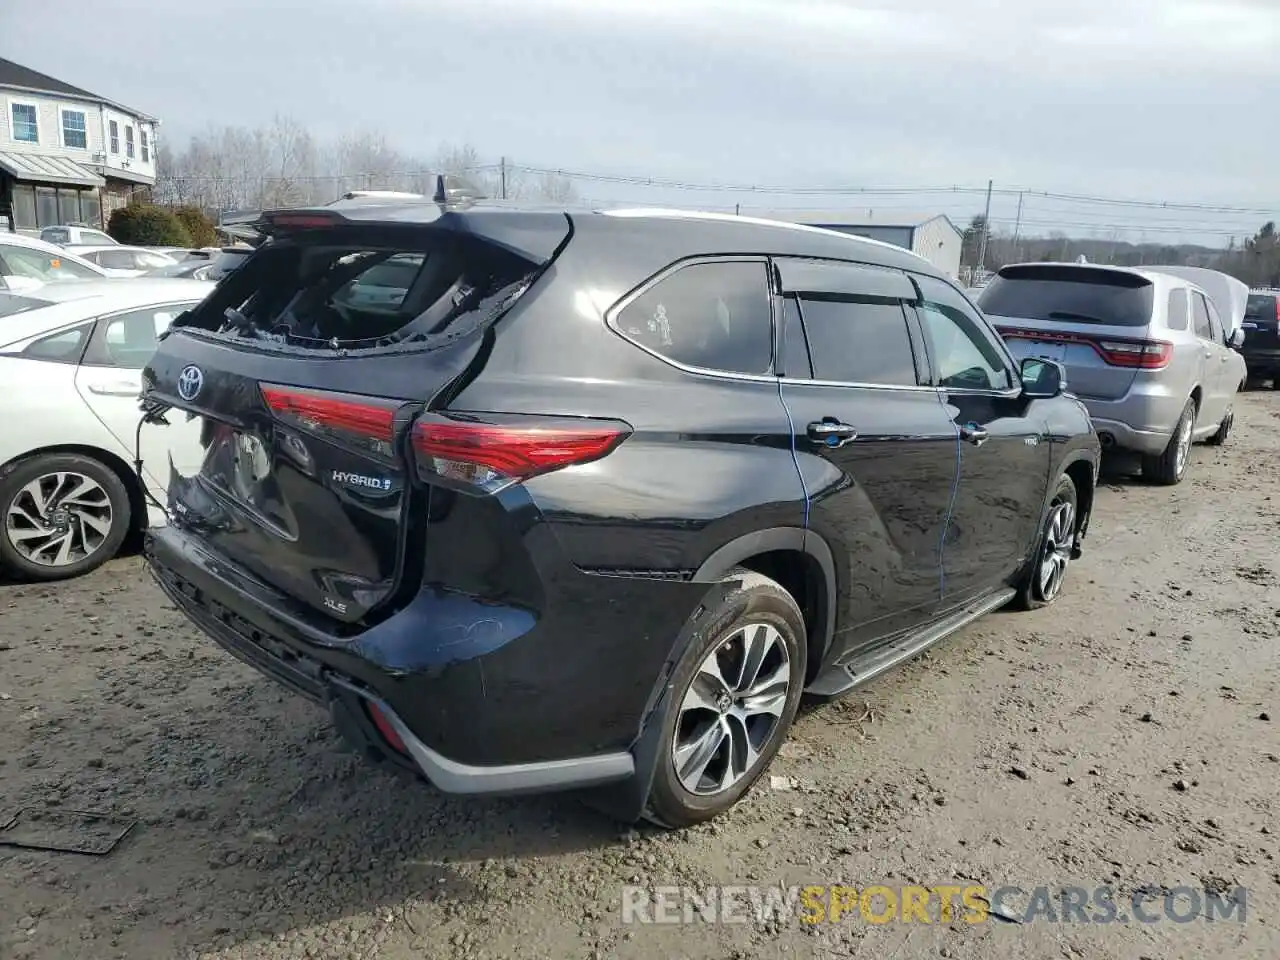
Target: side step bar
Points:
(840, 678)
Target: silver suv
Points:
(1147, 352)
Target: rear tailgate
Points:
(1091, 320)
(1262, 322)
(306, 480)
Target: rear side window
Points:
(1179, 311)
(1200, 317)
(859, 341)
(1065, 294)
(714, 316)
(65, 346)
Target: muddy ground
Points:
(1120, 737)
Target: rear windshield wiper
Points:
(1069, 315)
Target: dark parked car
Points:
(1262, 335)
(595, 496)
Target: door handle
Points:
(972, 433)
(116, 389)
(831, 432)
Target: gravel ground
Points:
(1121, 737)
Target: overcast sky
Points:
(1155, 99)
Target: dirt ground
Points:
(1122, 737)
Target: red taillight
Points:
(492, 451)
(367, 422)
(1140, 354)
(385, 728)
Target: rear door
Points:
(109, 381)
(876, 450)
(1218, 369)
(308, 396)
(1093, 320)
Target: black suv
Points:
(1262, 335)
(538, 499)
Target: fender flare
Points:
(626, 800)
(797, 539)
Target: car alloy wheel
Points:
(1059, 540)
(59, 519)
(731, 709)
(1184, 444)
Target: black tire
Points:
(1224, 430)
(118, 515)
(755, 600)
(1165, 468)
(1032, 593)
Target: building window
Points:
(128, 142)
(114, 131)
(24, 207)
(146, 145)
(74, 132)
(26, 127)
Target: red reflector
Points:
(491, 451)
(367, 421)
(386, 729)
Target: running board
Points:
(840, 678)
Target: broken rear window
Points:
(344, 292)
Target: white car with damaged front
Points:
(71, 373)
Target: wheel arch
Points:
(112, 461)
(1084, 474)
(797, 558)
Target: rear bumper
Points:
(450, 694)
(1116, 435)
(1141, 422)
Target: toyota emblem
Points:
(190, 380)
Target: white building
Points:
(931, 235)
(67, 155)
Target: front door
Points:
(1004, 448)
(875, 448)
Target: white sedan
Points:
(125, 261)
(71, 373)
(27, 263)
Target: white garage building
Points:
(931, 235)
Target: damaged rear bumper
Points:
(336, 673)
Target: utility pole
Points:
(502, 166)
(1017, 223)
(986, 229)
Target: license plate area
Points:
(1047, 350)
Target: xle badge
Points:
(336, 606)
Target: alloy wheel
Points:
(59, 519)
(1059, 539)
(1184, 444)
(731, 709)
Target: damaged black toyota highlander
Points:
(537, 499)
